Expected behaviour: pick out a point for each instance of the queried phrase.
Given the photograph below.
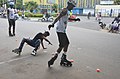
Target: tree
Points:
(117, 2)
(31, 5)
(55, 7)
(19, 4)
(2, 2)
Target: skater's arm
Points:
(63, 13)
(47, 40)
(8, 14)
(42, 44)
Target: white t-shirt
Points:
(62, 24)
(11, 13)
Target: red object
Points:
(71, 61)
(72, 17)
(98, 70)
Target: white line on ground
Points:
(4, 62)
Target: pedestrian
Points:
(89, 14)
(11, 11)
(62, 20)
(35, 42)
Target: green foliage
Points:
(2, 2)
(29, 14)
(55, 15)
(37, 15)
(117, 2)
(19, 4)
(31, 5)
(20, 13)
(55, 7)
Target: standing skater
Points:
(11, 18)
(61, 32)
(35, 42)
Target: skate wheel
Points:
(19, 53)
(70, 65)
(61, 64)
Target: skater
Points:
(61, 33)
(11, 18)
(35, 42)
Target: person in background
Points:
(11, 18)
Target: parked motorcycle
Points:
(44, 19)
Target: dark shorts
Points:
(63, 39)
(11, 22)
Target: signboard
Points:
(106, 2)
(51, 1)
(86, 11)
(108, 10)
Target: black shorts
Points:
(11, 22)
(63, 39)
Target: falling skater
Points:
(35, 42)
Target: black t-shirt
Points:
(38, 36)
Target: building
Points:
(83, 7)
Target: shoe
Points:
(34, 53)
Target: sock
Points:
(56, 53)
(64, 53)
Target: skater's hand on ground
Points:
(50, 43)
(51, 25)
(44, 48)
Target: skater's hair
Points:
(47, 33)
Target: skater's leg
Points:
(65, 48)
(64, 60)
(59, 49)
(36, 45)
(61, 37)
(13, 28)
(10, 25)
(28, 41)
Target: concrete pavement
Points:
(90, 49)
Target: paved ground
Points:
(90, 49)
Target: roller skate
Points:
(51, 61)
(65, 62)
(34, 53)
(17, 51)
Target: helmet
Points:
(72, 2)
(11, 3)
(47, 33)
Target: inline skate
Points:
(51, 61)
(17, 51)
(65, 62)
